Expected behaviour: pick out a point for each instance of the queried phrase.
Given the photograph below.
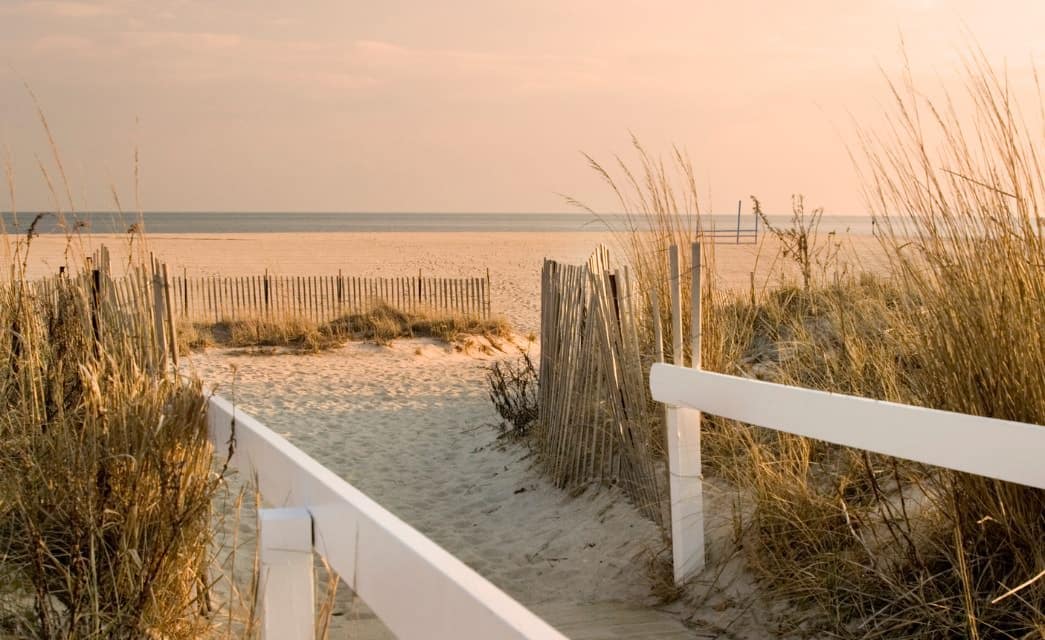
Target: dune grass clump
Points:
(381, 325)
(105, 473)
(964, 229)
(885, 548)
(296, 333)
(385, 323)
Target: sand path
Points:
(411, 426)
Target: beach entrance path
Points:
(411, 426)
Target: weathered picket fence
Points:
(324, 298)
(417, 589)
(594, 405)
(1000, 449)
(122, 305)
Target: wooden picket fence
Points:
(135, 306)
(324, 298)
(594, 404)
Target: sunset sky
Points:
(465, 106)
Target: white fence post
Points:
(286, 591)
(683, 426)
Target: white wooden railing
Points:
(416, 588)
(1000, 449)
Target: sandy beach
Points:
(339, 216)
(513, 258)
(411, 424)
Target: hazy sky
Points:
(392, 105)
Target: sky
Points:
(464, 106)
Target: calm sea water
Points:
(224, 222)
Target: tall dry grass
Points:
(874, 547)
(964, 226)
(662, 207)
(105, 472)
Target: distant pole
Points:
(738, 220)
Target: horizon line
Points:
(361, 212)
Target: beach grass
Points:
(381, 325)
(869, 546)
(106, 483)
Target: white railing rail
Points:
(416, 588)
(1000, 449)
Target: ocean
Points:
(217, 222)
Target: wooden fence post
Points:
(286, 595)
(266, 292)
(158, 314)
(96, 297)
(683, 427)
(658, 330)
(170, 317)
(695, 317)
(340, 295)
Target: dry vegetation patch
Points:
(875, 547)
(105, 473)
(382, 325)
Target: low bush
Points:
(513, 387)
